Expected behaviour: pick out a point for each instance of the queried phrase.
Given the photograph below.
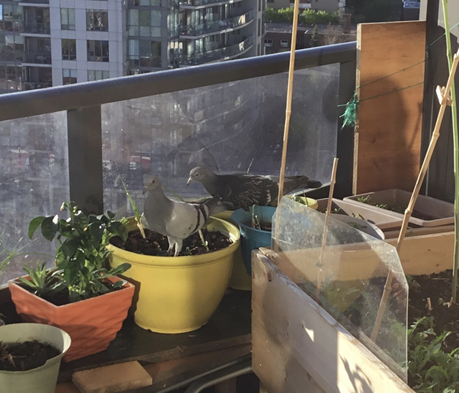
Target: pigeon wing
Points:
(243, 191)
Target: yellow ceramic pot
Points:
(178, 294)
(239, 279)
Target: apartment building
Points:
(47, 43)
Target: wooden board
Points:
(170, 373)
(425, 254)
(114, 378)
(388, 132)
(292, 332)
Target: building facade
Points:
(47, 43)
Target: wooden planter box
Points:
(297, 346)
(381, 219)
(435, 211)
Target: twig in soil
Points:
(204, 243)
(429, 304)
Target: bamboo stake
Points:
(444, 93)
(325, 231)
(288, 111)
(456, 154)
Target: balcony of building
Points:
(216, 26)
(75, 143)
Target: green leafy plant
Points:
(43, 281)
(82, 251)
(430, 369)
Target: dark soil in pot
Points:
(156, 244)
(26, 355)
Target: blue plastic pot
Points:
(252, 238)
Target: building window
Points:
(97, 75)
(69, 76)
(98, 51)
(11, 17)
(284, 43)
(269, 43)
(144, 53)
(144, 23)
(68, 49)
(67, 19)
(96, 20)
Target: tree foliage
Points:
(309, 17)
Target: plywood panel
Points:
(389, 87)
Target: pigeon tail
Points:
(314, 184)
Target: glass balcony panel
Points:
(37, 58)
(37, 28)
(219, 25)
(34, 181)
(231, 127)
(198, 3)
(218, 54)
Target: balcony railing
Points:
(27, 2)
(219, 54)
(37, 28)
(37, 58)
(216, 26)
(187, 4)
(36, 85)
(78, 140)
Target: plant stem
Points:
(134, 207)
(456, 152)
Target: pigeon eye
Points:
(197, 174)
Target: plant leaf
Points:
(34, 224)
(49, 227)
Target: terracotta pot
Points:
(92, 323)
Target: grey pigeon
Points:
(176, 220)
(243, 190)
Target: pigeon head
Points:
(200, 174)
(153, 184)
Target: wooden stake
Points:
(288, 111)
(445, 92)
(325, 231)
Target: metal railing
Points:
(83, 105)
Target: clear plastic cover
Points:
(346, 275)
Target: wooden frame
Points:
(298, 347)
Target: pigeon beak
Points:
(190, 179)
